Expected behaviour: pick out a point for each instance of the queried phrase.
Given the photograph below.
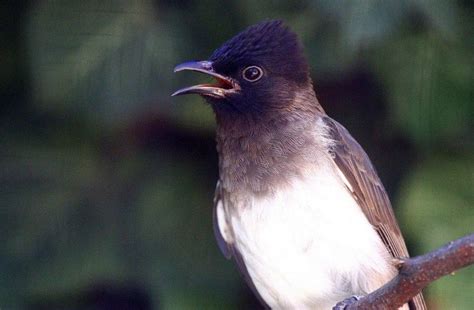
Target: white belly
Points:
(310, 245)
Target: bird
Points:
(298, 205)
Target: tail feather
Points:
(418, 303)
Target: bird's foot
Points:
(346, 302)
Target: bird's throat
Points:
(261, 156)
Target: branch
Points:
(417, 272)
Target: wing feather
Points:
(368, 191)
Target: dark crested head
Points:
(259, 70)
(269, 44)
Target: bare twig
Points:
(417, 272)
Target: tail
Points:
(417, 303)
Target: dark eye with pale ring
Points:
(252, 73)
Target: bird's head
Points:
(259, 71)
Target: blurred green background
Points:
(106, 183)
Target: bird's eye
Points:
(252, 73)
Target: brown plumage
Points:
(277, 147)
(368, 190)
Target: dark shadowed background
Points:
(106, 182)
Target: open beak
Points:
(223, 86)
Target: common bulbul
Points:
(298, 204)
